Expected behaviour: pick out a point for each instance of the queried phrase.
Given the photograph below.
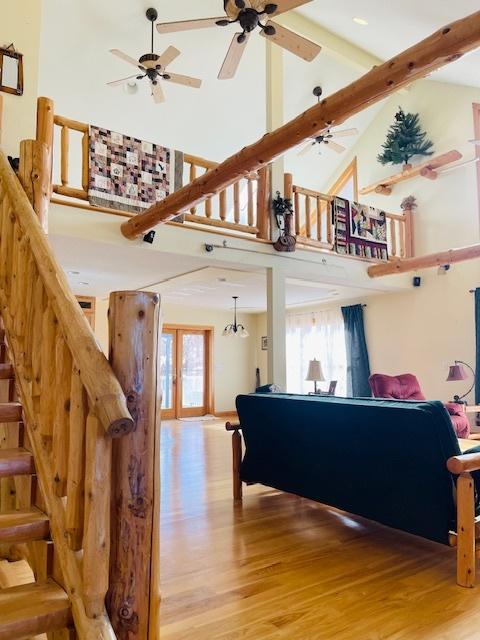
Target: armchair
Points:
(407, 387)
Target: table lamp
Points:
(458, 373)
(315, 373)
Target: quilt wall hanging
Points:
(360, 230)
(131, 174)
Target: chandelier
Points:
(235, 329)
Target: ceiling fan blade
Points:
(117, 83)
(336, 147)
(188, 25)
(233, 57)
(292, 42)
(125, 57)
(187, 81)
(286, 5)
(157, 93)
(307, 149)
(344, 133)
(168, 56)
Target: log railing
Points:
(314, 226)
(65, 188)
(72, 401)
(243, 207)
(238, 207)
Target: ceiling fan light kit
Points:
(250, 15)
(154, 66)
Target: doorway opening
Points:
(186, 371)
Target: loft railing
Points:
(243, 207)
(313, 214)
(72, 400)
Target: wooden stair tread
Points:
(33, 609)
(6, 372)
(16, 462)
(10, 411)
(23, 526)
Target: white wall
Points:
(20, 23)
(234, 360)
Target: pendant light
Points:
(235, 329)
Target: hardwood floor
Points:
(280, 567)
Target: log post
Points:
(34, 174)
(133, 605)
(263, 203)
(408, 207)
(236, 459)
(465, 531)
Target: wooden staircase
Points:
(61, 406)
(40, 606)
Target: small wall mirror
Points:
(11, 71)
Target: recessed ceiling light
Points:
(361, 21)
(84, 283)
(73, 273)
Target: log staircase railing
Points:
(72, 402)
(243, 207)
(313, 215)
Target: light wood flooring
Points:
(280, 567)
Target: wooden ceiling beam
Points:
(444, 46)
(439, 259)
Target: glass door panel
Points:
(192, 344)
(168, 373)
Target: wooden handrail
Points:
(444, 46)
(102, 387)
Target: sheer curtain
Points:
(320, 335)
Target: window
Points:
(319, 335)
(347, 184)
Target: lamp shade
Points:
(315, 373)
(456, 373)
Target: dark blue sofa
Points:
(383, 460)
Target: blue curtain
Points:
(477, 347)
(358, 365)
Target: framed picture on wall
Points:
(264, 343)
(11, 71)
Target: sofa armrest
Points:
(464, 463)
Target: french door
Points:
(185, 372)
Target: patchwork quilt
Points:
(131, 174)
(360, 230)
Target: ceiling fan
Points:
(154, 67)
(250, 14)
(327, 138)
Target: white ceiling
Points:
(395, 26)
(96, 269)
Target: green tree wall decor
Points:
(405, 139)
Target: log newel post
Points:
(133, 605)
(44, 135)
(34, 174)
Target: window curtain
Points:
(358, 365)
(477, 347)
(319, 335)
